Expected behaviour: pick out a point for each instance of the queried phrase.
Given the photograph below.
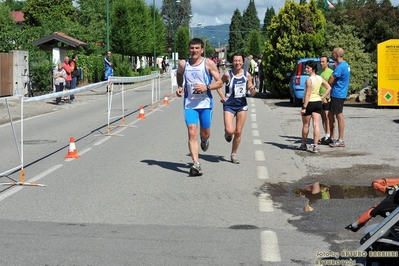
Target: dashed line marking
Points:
(270, 250)
(255, 133)
(15, 189)
(254, 125)
(259, 155)
(257, 141)
(80, 153)
(262, 172)
(265, 203)
(253, 117)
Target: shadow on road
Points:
(168, 165)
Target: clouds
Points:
(220, 12)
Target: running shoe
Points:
(315, 148)
(204, 145)
(325, 141)
(303, 147)
(234, 159)
(227, 137)
(336, 144)
(195, 170)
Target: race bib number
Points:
(195, 94)
(239, 90)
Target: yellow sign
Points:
(388, 73)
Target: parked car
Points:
(298, 78)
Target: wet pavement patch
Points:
(243, 227)
(37, 142)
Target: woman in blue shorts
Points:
(238, 82)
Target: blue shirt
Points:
(341, 84)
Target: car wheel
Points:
(297, 102)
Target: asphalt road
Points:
(128, 200)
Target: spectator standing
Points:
(197, 73)
(59, 80)
(238, 82)
(247, 63)
(312, 106)
(252, 66)
(261, 75)
(325, 73)
(339, 81)
(167, 64)
(163, 65)
(75, 74)
(109, 71)
(68, 77)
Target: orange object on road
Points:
(141, 113)
(72, 153)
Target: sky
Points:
(211, 12)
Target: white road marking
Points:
(15, 189)
(254, 125)
(265, 203)
(255, 133)
(253, 117)
(262, 172)
(259, 155)
(257, 141)
(80, 153)
(270, 250)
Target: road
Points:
(128, 200)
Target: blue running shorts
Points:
(204, 115)
(235, 109)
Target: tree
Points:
(236, 42)
(360, 62)
(53, 14)
(182, 40)
(131, 28)
(15, 5)
(269, 14)
(121, 24)
(253, 44)
(250, 20)
(160, 32)
(297, 31)
(175, 15)
(92, 19)
(8, 29)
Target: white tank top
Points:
(192, 76)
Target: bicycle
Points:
(30, 85)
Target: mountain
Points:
(217, 35)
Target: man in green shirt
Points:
(325, 73)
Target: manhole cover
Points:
(243, 227)
(36, 142)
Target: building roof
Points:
(18, 16)
(60, 40)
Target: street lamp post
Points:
(155, 53)
(107, 13)
(174, 40)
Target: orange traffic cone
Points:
(72, 153)
(141, 114)
(166, 101)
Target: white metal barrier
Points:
(155, 96)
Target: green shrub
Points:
(144, 71)
(42, 72)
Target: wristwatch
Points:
(208, 87)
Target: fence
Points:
(155, 96)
